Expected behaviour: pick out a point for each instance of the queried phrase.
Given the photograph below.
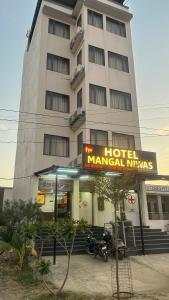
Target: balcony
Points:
(77, 40)
(77, 119)
(77, 76)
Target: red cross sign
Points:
(131, 199)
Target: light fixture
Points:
(48, 176)
(113, 174)
(84, 177)
(67, 171)
(62, 176)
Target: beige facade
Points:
(37, 79)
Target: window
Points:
(116, 27)
(96, 55)
(120, 100)
(57, 64)
(153, 210)
(80, 143)
(97, 95)
(56, 145)
(117, 61)
(57, 102)
(123, 141)
(95, 19)
(79, 98)
(98, 137)
(79, 58)
(59, 29)
(165, 207)
(79, 21)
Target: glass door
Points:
(64, 205)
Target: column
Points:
(160, 209)
(95, 207)
(75, 200)
(145, 215)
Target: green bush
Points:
(26, 277)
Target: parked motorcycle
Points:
(95, 247)
(107, 237)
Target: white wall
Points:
(85, 207)
(101, 217)
(8, 194)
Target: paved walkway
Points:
(93, 276)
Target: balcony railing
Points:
(158, 216)
(77, 119)
(77, 40)
(77, 77)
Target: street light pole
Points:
(140, 216)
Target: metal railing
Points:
(125, 232)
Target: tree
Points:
(114, 190)
(20, 212)
(65, 231)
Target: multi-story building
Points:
(78, 86)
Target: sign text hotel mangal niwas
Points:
(117, 159)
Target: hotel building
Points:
(78, 87)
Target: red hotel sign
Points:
(117, 159)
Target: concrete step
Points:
(154, 241)
(148, 236)
(148, 230)
(151, 233)
(136, 227)
(154, 246)
(153, 251)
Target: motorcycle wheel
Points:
(88, 251)
(120, 255)
(105, 257)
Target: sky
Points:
(150, 32)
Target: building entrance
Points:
(64, 205)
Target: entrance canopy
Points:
(77, 172)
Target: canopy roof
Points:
(54, 168)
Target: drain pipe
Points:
(140, 217)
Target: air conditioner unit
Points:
(77, 38)
(79, 29)
(78, 69)
(79, 111)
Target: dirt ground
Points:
(92, 277)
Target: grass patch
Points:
(27, 278)
(71, 296)
(64, 296)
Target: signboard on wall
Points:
(118, 159)
(48, 185)
(41, 199)
(157, 188)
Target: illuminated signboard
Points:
(117, 159)
(40, 199)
